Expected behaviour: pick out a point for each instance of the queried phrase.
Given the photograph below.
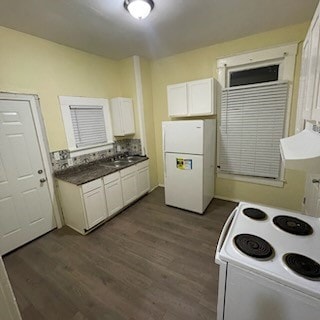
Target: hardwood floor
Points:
(150, 262)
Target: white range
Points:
(269, 265)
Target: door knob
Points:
(43, 180)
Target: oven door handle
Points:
(223, 235)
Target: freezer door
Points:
(183, 136)
(184, 181)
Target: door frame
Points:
(34, 102)
(9, 302)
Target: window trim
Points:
(286, 55)
(65, 103)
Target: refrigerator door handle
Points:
(164, 151)
(165, 168)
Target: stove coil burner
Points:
(303, 266)
(253, 246)
(293, 225)
(254, 213)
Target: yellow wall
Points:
(128, 88)
(201, 63)
(149, 119)
(33, 65)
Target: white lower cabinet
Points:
(113, 190)
(143, 179)
(87, 205)
(83, 206)
(135, 181)
(95, 207)
(129, 184)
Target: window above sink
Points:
(87, 123)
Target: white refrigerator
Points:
(189, 163)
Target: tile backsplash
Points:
(130, 146)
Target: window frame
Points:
(285, 56)
(65, 103)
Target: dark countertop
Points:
(84, 173)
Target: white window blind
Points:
(252, 124)
(88, 125)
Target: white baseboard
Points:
(225, 198)
(155, 187)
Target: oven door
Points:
(222, 267)
(250, 296)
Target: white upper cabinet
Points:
(122, 116)
(200, 97)
(177, 100)
(194, 98)
(315, 63)
(309, 93)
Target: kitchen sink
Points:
(133, 158)
(121, 162)
(116, 163)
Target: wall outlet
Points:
(56, 156)
(70, 162)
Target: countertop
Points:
(82, 174)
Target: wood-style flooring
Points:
(151, 262)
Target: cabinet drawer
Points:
(111, 177)
(91, 185)
(142, 164)
(126, 171)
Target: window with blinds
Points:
(252, 124)
(88, 125)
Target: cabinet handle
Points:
(43, 180)
(315, 180)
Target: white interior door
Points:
(26, 210)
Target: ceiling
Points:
(105, 28)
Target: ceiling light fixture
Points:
(139, 9)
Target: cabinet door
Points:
(95, 204)
(122, 116)
(312, 47)
(116, 116)
(143, 181)
(200, 97)
(303, 111)
(315, 62)
(312, 195)
(114, 199)
(127, 116)
(177, 100)
(307, 92)
(129, 188)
